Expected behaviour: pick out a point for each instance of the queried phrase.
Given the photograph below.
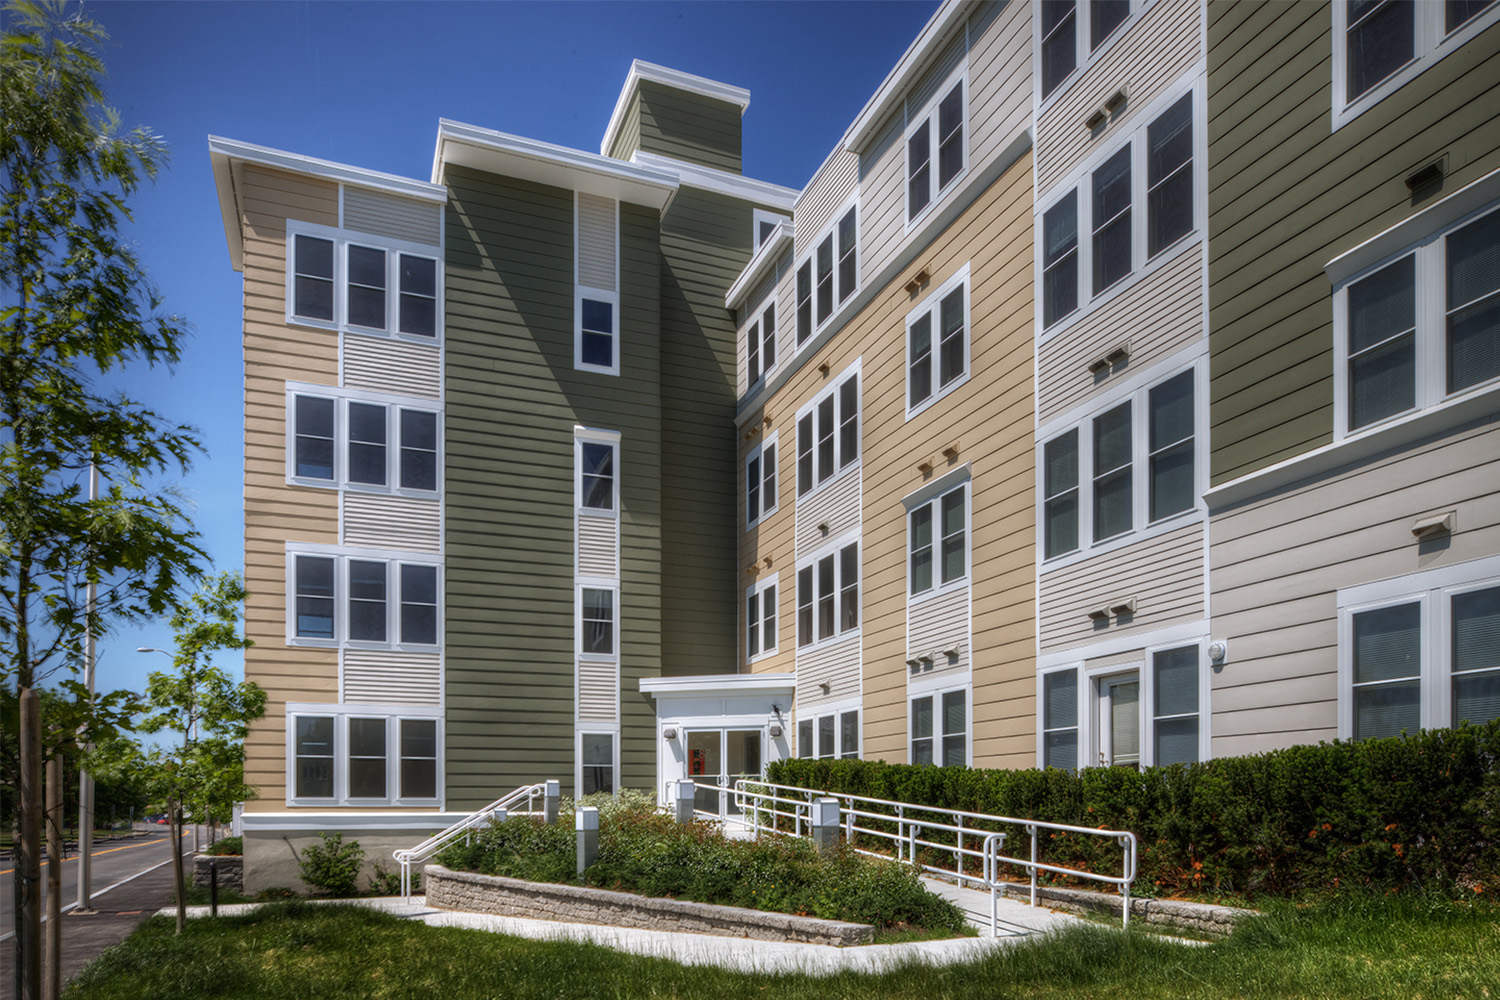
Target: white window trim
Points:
(835, 549)
(758, 590)
(1080, 180)
(1083, 57)
(835, 383)
(1088, 686)
(1430, 46)
(593, 435)
(759, 215)
(1431, 336)
(934, 502)
(611, 729)
(342, 397)
(1137, 391)
(1433, 589)
(341, 714)
(341, 239)
(771, 440)
(758, 324)
(936, 694)
(342, 555)
(582, 291)
(931, 306)
(809, 255)
(837, 710)
(581, 584)
(927, 118)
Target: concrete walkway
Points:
(1018, 922)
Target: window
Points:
(937, 538)
(597, 763)
(358, 442)
(1421, 329)
(596, 284)
(938, 134)
(1174, 714)
(598, 482)
(1060, 719)
(1064, 26)
(362, 755)
(760, 481)
(829, 735)
(760, 345)
(829, 276)
(764, 225)
(1149, 176)
(349, 282)
(1420, 652)
(597, 345)
(1141, 714)
(760, 619)
(828, 434)
(937, 344)
(342, 597)
(1140, 467)
(828, 595)
(940, 729)
(596, 621)
(1379, 45)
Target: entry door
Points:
(1120, 721)
(722, 756)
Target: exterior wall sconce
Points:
(670, 733)
(1218, 651)
(774, 730)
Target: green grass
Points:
(1365, 947)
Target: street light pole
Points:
(85, 779)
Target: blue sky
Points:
(365, 84)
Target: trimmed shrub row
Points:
(1421, 810)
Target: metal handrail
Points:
(757, 798)
(475, 820)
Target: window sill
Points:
(599, 512)
(1182, 519)
(915, 222)
(366, 488)
(751, 525)
(933, 593)
(1168, 253)
(828, 483)
(831, 641)
(363, 803)
(937, 397)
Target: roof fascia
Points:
(928, 42)
(720, 181)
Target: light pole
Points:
(85, 779)
(169, 653)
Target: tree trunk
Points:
(53, 978)
(177, 881)
(28, 852)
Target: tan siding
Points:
(1164, 574)
(598, 692)
(1161, 313)
(771, 539)
(397, 218)
(937, 624)
(598, 546)
(392, 677)
(381, 521)
(835, 505)
(824, 195)
(1161, 46)
(1278, 564)
(596, 242)
(388, 365)
(835, 664)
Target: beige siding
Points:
(382, 521)
(1156, 50)
(1279, 562)
(596, 242)
(391, 677)
(835, 664)
(1158, 315)
(937, 624)
(598, 546)
(824, 195)
(1164, 574)
(388, 365)
(835, 505)
(768, 547)
(396, 218)
(598, 692)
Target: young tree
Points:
(201, 703)
(74, 307)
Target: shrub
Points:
(387, 881)
(226, 846)
(1409, 811)
(332, 868)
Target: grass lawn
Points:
(1366, 947)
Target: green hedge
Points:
(1419, 810)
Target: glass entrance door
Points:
(719, 757)
(1120, 721)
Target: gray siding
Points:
(1287, 194)
(687, 126)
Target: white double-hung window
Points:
(364, 598)
(354, 439)
(937, 344)
(828, 433)
(760, 618)
(760, 481)
(760, 345)
(596, 296)
(363, 754)
(938, 726)
(1069, 32)
(829, 275)
(353, 281)
(936, 146)
(828, 594)
(937, 532)
(828, 734)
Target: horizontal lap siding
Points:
(1270, 119)
(825, 194)
(1158, 315)
(1164, 574)
(1156, 50)
(392, 677)
(938, 624)
(835, 664)
(378, 521)
(628, 138)
(397, 218)
(835, 505)
(274, 511)
(689, 126)
(1279, 562)
(397, 366)
(771, 539)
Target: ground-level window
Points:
(939, 727)
(363, 754)
(829, 734)
(597, 763)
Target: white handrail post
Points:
(1032, 829)
(958, 855)
(900, 831)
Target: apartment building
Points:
(1121, 390)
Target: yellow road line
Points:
(127, 847)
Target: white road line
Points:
(145, 871)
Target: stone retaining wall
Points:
(231, 871)
(1200, 918)
(509, 897)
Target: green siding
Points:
(687, 126)
(513, 399)
(1287, 194)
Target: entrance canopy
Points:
(688, 709)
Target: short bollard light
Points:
(213, 887)
(586, 822)
(550, 799)
(825, 825)
(685, 791)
